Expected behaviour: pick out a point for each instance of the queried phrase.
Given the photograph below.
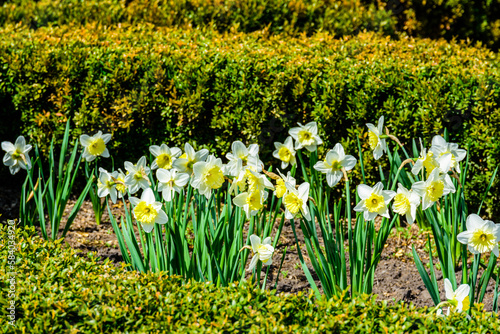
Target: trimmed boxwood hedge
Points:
(59, 291)
(340, 17)
(150, 85)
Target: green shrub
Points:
(478, 20)
(148, 85)
(341, 17)
(59, 291)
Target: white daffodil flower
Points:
(208, 175)
(377, 144)
(374, 201)
(436, 186)
(164, 156)
(481, 235)
(332, 165)
(186, 161)
(170, 181)
(242, 156)
(406, 203)
(137, 175)
(249, 180)
(458, 300)
(95, 146)
(262, 251)
(280, 189)
(296, 201)
(148, 211)
(119, 178)
(426, 160)
(106, 185)
(448, 155)
(306, 136)
(251, 202)
(16, 156)
(285, 152)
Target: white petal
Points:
(8, 146)
(255, 241)
(162, 217)
(364, 191)
(148, 227)
(253, 263)
(474, 222)
(85, 140)
(448, 288)
(148, 196)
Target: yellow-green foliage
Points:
(152, 85)
(59, 291)
(340, 17)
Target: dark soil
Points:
(396, 277)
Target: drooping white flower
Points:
(285, 152)
(164, 156)
(332, 165)
(448, 155)
(296, 201)
(119, 178)
(106, 185)
(251, 202)
(406, 203)
(374, 201)
(170, 181)
(262, 251)
(481, 235)
(306, 136)
(377, 144)
(95, 146)
(426, 160)
(242, 156)
(280, 189)
(436, 186)
(137, 175)
(16, 156)
(186, 161)
(208, 175)
(148, 211)
(458, 300)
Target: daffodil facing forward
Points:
(137, 175)
(16, 156)
(170, 181)
(296, 201)
(187, 160)
(376, 138)
(285, 152)
(436, 186)
(448, 155)
(148, 211)
(241, 157)
(95, 146)
(306, 136)
(164, 156)
(405, 203)
(262, 251)
(374, 201)
(106, 185)
(332, 166)
(208, 175)
(481, 235)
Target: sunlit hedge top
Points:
(147, 86)
(341, 17)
